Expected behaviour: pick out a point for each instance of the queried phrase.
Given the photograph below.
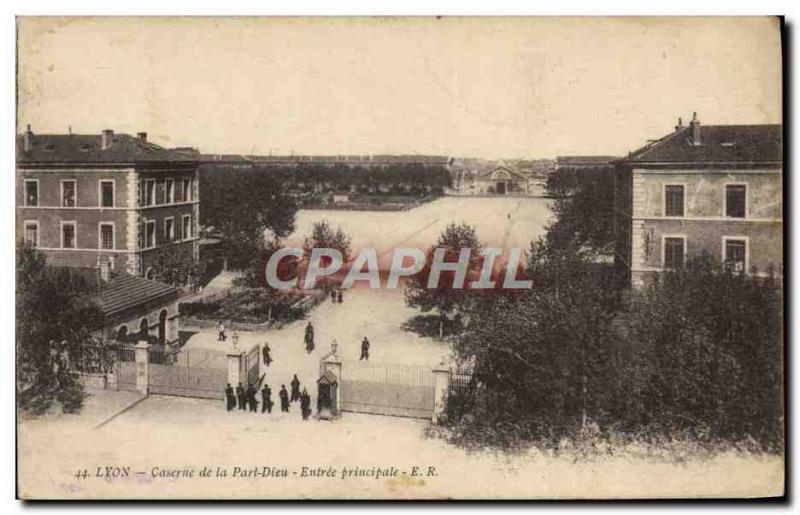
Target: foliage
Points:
(174, 264)
(584, 209)
(443, 298)
(323, 236)
(698, 354)
(55, 308)
(242, 206)
(247, 305)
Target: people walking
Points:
(309, 337)
(240, 396)
(251, 398)
(305, 404)
(284, 395)
(333, 296)
(266, 399)
(339, 296)
(230, 397)
(222, 336)
(364, 349)
(295, 384)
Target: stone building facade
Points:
(715, 189)
(86, 200)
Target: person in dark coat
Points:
(333, 296)
(284, 395)
(266, 399)
(230, 397)
(251, 398)
(339, 296)
(265, 352)
(309, 338)
(240, 396)
(305, 404)
(364, 349)
(295, 388)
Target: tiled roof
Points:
(127, 291)
(86, 148)
(587, 160)
(510, 169)
(718, 144)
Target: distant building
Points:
(499, 180)
(116, 199)
(715, 188)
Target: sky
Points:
(468, 87)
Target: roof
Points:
(510, 169)
(587, 160)
(718, 144)
(86, 148)
(125, 291)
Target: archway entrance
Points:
(501, 188)
(122, 334)
(144, 328)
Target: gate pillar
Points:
(235, 365)
(142, 357)
(441, 387)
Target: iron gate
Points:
(387, 389)
(190, 373)
(251, 361)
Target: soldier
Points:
(340, 296)
(251, 398)
(364, 349)
(240, 396)
(333, 296)
(309, 338)
(266, 400)
(284, 395)
(295, 388)
(230, 398)
(305, 404)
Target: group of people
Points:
(336, 296)
(245, 398)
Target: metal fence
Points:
(191, 373)
(387, 389)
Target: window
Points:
(187, 190)
(149, 192)
(673, 200)
(32, 233)
(106, 193)
(67, 193)
(169, 191)
(149, 234)
(735, 253)
(187, 227)
(169, 229)
(735, 200)
(674, 248)
(32, 192)
(107, 236)
(67, 235)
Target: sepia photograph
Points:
(399, 258)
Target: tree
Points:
(55, 307)
(173, 264)
(446, 300)
(324, 236)
(240, 206)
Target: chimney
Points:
(105, 271)
(27, 139)
(680, 125)
(142, 136)
(695, 126)
(106, 139)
